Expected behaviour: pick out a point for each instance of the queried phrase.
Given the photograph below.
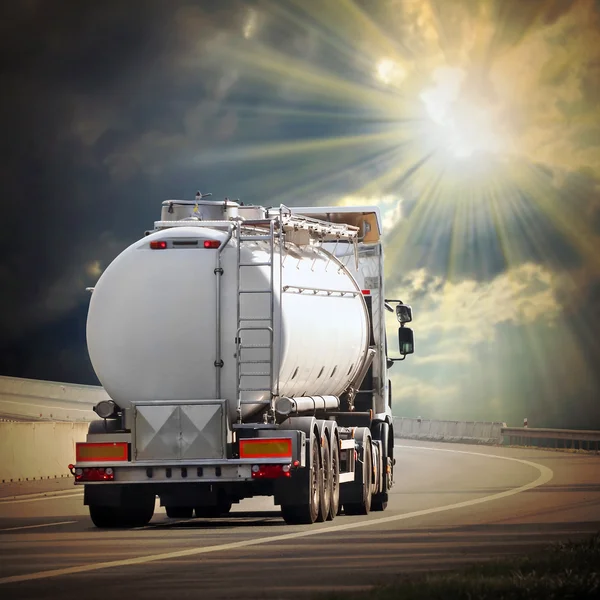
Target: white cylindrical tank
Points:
(152, 330)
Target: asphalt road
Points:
(452, 504)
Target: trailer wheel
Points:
(326, 479)
(306, 514)
(334, 507)
(179, 512)
(382, 433)
(378, 503)
(105, 517)
(222, 507)
(364, 506)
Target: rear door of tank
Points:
(184, 419)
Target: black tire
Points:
(212, 512)
(306, 514)
(334, 507)
(382, 432)
(325, 495)
(364, 506)
(108, 517)
(105, 517)
(378, 503)
(179, 512)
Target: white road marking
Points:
(36, 526)
(77, 494)
(545, 476)
(73, 490)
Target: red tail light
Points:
(94, 474)
(212, 243)
(158, 245)
(270, 471)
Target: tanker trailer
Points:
(244, 352)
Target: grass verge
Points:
(564, 570)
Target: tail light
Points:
(158, 245)
(212, 243)
(270, 471)
(94, 474)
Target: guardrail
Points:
(583, 439)
(469, 432)
(37, 400)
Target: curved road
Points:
(451, 504)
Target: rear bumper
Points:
(188, 472)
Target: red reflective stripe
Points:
(366, 292)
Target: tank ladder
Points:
(253, 231)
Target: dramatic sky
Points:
(474, 124)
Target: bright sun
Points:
(457, 126)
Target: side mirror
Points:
(406, 341)
(403, 313)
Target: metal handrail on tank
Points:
(315, 291)
(218, 274)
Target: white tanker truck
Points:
(244, 351)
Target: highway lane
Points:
(254, 554)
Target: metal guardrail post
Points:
(565, 438)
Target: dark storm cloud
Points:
(56, 60)
(83, 81)
(106, 106)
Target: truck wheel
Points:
(210, 512)
(105, 517)
(378, 503)
(325, 494)
(334, 507)
(364, 506)
(306, 514)
(179, 512)
(382, 433)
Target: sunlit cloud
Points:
(468, 312)
(426, 394)
(250, 23)
(443, 359)
(460, 127)
(390, 206)
(94, 268)
(388, 71)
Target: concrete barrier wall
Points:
(474, 432)
(38, 450)
(33, 400)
